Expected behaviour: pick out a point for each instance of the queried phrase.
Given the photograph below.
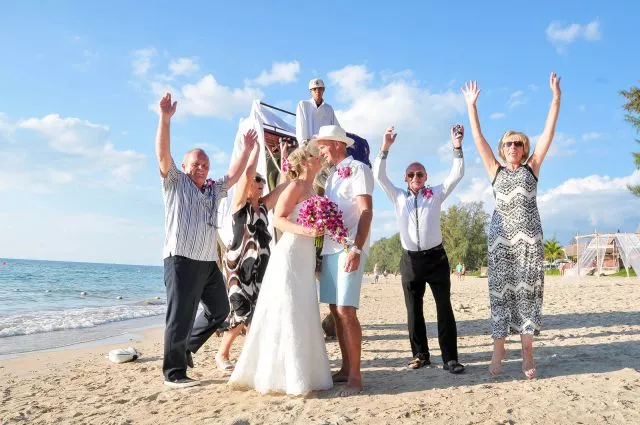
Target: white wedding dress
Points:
(284, 350)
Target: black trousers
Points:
(189, 282)
(417, 269)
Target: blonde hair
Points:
(521, 136)
(297, 160)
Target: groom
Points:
(350, 187)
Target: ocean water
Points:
(44, 304)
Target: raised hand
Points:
(470, 92)
(388, 139)
(457, 134)
(167, 109)
(250, 139)
(554, 83)
(284, 149)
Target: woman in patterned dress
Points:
(516, 275)
(248, 254)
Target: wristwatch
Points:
(355, 249)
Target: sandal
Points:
(418, 361)
(224, 364)
(453, 366)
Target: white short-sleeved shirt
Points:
(343, 192)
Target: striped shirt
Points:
(190, 216)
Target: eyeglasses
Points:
(517, 144)
(259, 179)
(418, 174)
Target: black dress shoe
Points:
(181, 382)
(189, 359)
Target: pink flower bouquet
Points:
(320, 213)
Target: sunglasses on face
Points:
(259, 179)
(418, 175)
(517, 144)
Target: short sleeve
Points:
(171, 179)
(362, 180)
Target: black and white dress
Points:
(246, 262)
(516, 253)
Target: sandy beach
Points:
(587, 359)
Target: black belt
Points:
(426, 251)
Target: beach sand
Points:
(587, 359)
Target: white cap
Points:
(315, 83)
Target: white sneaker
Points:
(181, 383)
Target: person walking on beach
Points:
(248, 254)
(350, 187)
(424, 259)
(516, 251)
(459, 271)
(313, 113)
(191, 274)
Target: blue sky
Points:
(79, 81)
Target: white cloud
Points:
(497, 115)
(209, 98)
(421, 117)
(580, 204)
(141, 63)
(592, 135)
(561, 35)
(533, 87)
(183, 66)
(81, 145)
(516, 98)
(562, 145)
(281, 72)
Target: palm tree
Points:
(552, 250)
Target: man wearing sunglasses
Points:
(424, 259)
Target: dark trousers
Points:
(189, 282)
(417, 269)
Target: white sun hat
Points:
(315, 83)
(331, 132)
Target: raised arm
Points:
(380, 166)
(239, 164)
(291, 195)
(471, 93)
(542, 147)
(163, 151)
(457, 167)
(244, 183)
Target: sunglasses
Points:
(418, 174)
(517, 144)
(259, 179)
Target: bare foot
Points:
(528, 365)
(354, 386)
(495, 368)
(340, 376)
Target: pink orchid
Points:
(427, 192)
(285, 165)
(320, 213)
(208, 183)
(344, 172)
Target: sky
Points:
(80, 82)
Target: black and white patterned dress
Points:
(246, 261)
(516, 252)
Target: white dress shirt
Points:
(419, 217)
(343, 191)
(309, 118)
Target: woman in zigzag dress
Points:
(516, 275)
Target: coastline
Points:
(587, 361)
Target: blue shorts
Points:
(337, 286)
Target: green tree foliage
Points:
(464, 237)
(386, 254)
(552, 250)
(633, 116)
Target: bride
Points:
(284, 351)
